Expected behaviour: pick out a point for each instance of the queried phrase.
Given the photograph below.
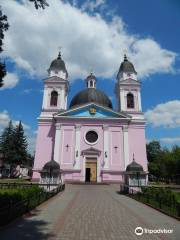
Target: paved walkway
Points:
(90, 212)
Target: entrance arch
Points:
(91, 169)
(91, 165)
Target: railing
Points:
(168, 205)
(13, 210)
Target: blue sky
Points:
(94, 34)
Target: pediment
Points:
(92, 110)
(91, 151)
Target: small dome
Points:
(134, 167)
(58, 65)
(91, 76)
(53, 165)
(127, 66)
(91, 95)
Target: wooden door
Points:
(93, 170)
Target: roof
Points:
(91, 95)
(134, 167)
(51, 165)
(58, 65)
(127, 66)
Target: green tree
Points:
(7, 145)
(153, 150)
(3, 27)
(21, 145)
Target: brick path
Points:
(90, 212)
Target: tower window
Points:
(91, 83)
(130, 100)
(54, 98)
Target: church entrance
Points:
(91, 170)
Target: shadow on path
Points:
(28, 227)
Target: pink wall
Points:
(116, 148)
(43, 150)
(67, 153)
(137, 145)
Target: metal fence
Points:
(13, 210)
(168, 205)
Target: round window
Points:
(91, 137)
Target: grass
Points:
(160, 198)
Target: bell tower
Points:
(128, 89)
(91, 81)
(56, 87)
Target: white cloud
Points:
(92, 5)
(170, 140)
(33, 39)
(165, 114)
(5, 118)
(10, 80)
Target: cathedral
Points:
(89, 139)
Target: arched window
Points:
(54, 98)
(130, 100)
(91, 83)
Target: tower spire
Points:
(125, 58)
(59, 55)
(91, 80)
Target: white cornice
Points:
(120, 115)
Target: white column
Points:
(77, 146)
(62, 99)
(125, 146)
(57, 144)
(59, 98)
(122, 100)
(45, 98)
(106, 147)
(139, 101)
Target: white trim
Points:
(125, 146)
(45, 98)
(57, 144)
(122, 100)
(62, 99)
(139, 101)
(77, 146)
(120, 115)
(106, 147)
(89, 143)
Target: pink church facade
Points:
(90, 140)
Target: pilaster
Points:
(77, 146)
(125, 146)
(57, 145)
(106, 147)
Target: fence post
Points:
(160, 205)
(178, 209)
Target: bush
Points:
(12, 196)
